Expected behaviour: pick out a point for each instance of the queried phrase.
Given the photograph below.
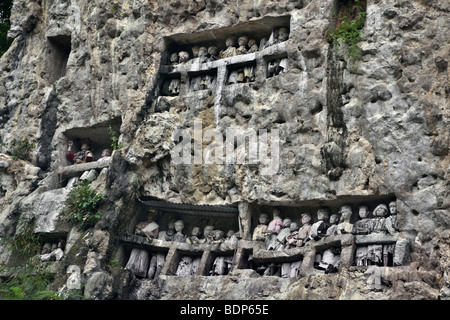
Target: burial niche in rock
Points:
(202, 80)
(98, 136)
(57, 54)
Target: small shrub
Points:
(28, 282)
(25, 242)
(82, 205)
(351, 17)
(21, 150)
(115, 144)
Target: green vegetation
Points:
(115, 8)
(5, 12)
(115, 144)
(30, 280)
(21, 150)
(25, 242)
(350, 21)
(82, 205)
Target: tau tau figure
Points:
(284, 232)
(332, 229)
(303, 232)
(183, 56)
(292, 237)
(230, 51)
(158, 258)
(139, 258)
(259, 234)
(207, 234)
(195, 52)
(375, 251)
(203, 55)
(277, 66)
(362, 226)
(148, 228)
(273, 229)
(253, 47)
(179, 236)
(318, 229)
(283, 34)
(82, 156)
(329, 260)
(174, 58)
(262, 43)
(344, 225)
(242, 42)
(213, 53)
(194, 237)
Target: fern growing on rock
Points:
(82, 205)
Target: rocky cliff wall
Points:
(359, 132)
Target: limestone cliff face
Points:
(358, 132)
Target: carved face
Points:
(346, 212)
(183, 56)
(334, 219)
(207, 230)
(363, 212)
(251, 42)
(195, 51)
(179, 225)
(380, 211)
(195, 231)
(218, 235)
(306, 218)
(174, 57)
(393, 208)
(322, 215)
(242, 41)
(85, 146)
(203, 51)
(106, 153)
(213, 51)
(293, 226)
(229, 42)
(283, 34)
(263, 219)
(230, 233)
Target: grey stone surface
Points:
(349, 130)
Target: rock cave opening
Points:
(210, 59)
(57, 56)
(99, 135)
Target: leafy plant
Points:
(82, 205)
(28, 281)
(5, 12)
(351, 17)
(21, 150)
(25, 242)
(4, 41)
(115, 144)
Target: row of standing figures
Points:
(278, 234)
(281, 234)
(203, 54)
(145, 264)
